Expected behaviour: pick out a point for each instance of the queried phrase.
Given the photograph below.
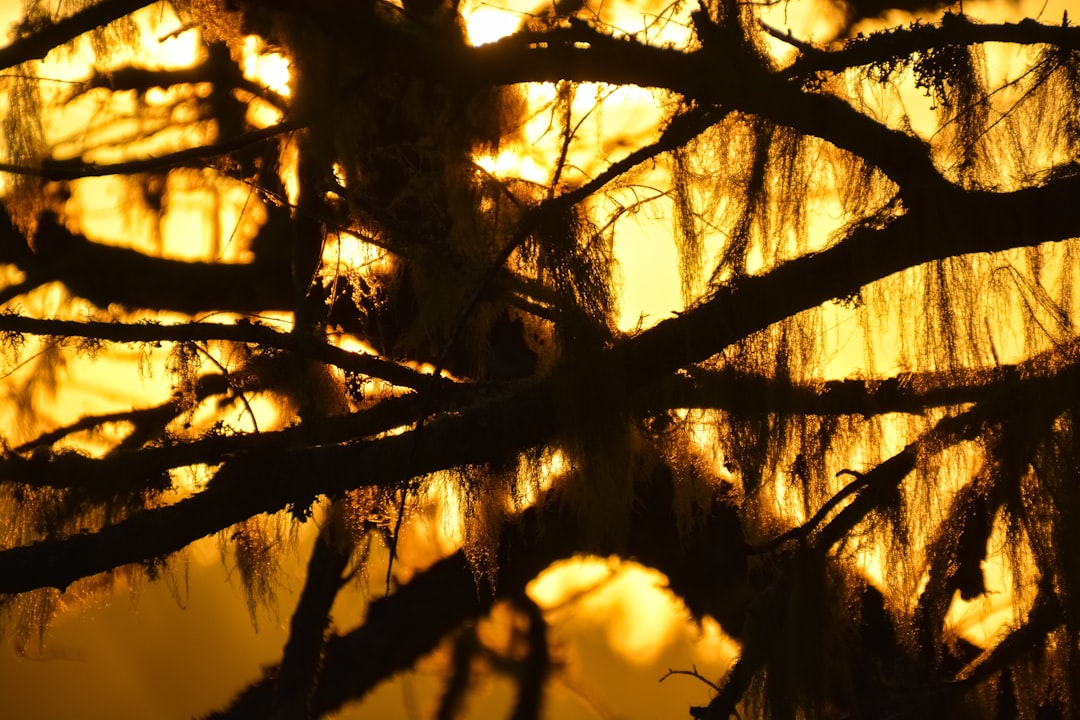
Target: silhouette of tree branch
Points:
(692, 672)
(536, 666)
(1045, 616)
(712, 75)
(735, 684)
(105, 275)
(296, 679)
(705, 76)
(877, 487)
(217, 68)
(955, 223)
(737, 391)
(242, 332)
(584, 54)
(954, 30)
(131, 468)
(76, 168)
(266, 478)
(458, 680)
(40, 41)
(398, 630)
(404, 626)
(497, 429)
(148, 422)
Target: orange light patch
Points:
(270, 69)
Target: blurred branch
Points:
(399, 630)
(786, 37)
(537, 664)
(40, 41)
(403, 627)
(216, 68)
(458, 684)
(1045, 616)
(104, 274)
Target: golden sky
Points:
(183, 647)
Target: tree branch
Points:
(38, 44)
(241, 332)
(105, 275)
(132, 468)
(536, 666)
(708, 76)
(1045, 616)
(145, 420)
(295, 681)
(955, 223)
(876, 486)
(527, 415)
(403, 627)
(736, 391)
(905, 43)
(76, 168)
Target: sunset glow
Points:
(703, 370)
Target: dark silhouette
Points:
(715, 444)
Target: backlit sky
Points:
(182, 648)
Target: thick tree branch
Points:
(37, 45)
(707, 76)
(733, 390)
(1046, 615)
(536, 666)
(874, 489)
(527, 415)
(953, 224)
(399, 630)
(723, 389)
(404, 626)
(906, 43)
(268, 478)
(458, 681)
(217, 68)
(105, 275)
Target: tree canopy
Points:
(391, 284)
